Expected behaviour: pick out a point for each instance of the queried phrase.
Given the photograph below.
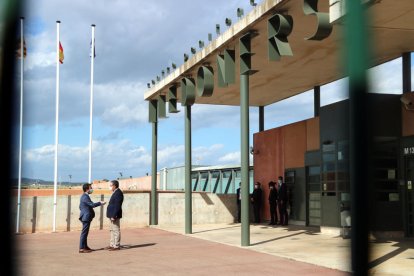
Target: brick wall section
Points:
(282, 148)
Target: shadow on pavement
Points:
(401, 247)
(215, 229)
(128, 246)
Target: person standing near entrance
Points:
(238, 196)
(282, 200)
(86, 216)
(272, 203)
(257, 201)
(114, 213)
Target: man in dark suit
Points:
(272, 203)
(114, 213)
(257, 201)
(86, 216)
(282, 200)
(238, 196)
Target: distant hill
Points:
(26, 182)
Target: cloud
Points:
(230, 158)
(110, 158)
(116, 104)
(40, 60)
(113, 135)
(386, 78)
(107, 161)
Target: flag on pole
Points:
(61, 55)
(18, 50)
(94, 52)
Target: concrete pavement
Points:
(307, 244)
(211, 250)
(149, 251)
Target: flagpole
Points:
(21, 126)
(91, 103)
(57, 125)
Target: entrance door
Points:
(314, 196)
(409, 186)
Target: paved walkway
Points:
(306, 244)
(149, 251)
(210, 250)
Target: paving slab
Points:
(149, 251)
(307, 244)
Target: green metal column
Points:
(261, 118)
(406, 75)
(244, 114)
(154, 196)
(153, 119)
(316, 100)
(188, 190)
(357, 49)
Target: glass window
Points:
(314, 170)
(328, 147)
(343, 150)
(328, 157)
(329, 167)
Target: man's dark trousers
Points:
(84, 235)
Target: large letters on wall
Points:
(279, 28)
(310, 7)
(187, 91)
(205, 81)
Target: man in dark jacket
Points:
(257, 201)
(86, 216)
(272, 203)
(238, 196)
(282, 201)
(114, 213)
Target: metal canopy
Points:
(313, 62)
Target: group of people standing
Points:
(278, 197)
(113, 212)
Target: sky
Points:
(135, 40)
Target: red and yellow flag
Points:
(61, 55)
(18, 49)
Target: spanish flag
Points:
(18, 49)
(61, 55)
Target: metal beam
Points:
(316, 100)
(406, 72)
(188, 190)
(261, 118)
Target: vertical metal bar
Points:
(56, 125)
(244, 114)
(357, 56)
(21, 125)
(316, 100)
(10, 13)
(91, 105)
(406, 72)
(154, 196)
(188, 191)
(261, 118)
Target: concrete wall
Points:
(312, 134)
(36, 213)
(207, 208)
(282, 148)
